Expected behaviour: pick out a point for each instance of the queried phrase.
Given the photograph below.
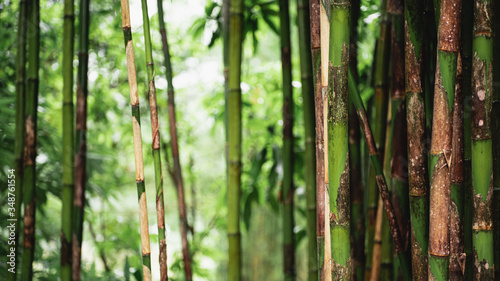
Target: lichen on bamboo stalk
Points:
(136, 126)
(337, 128)
(482, 162)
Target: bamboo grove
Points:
(402, 183)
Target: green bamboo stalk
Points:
(234, 140)
(382, 56)
(415, 117)
(338, 149)
(68, 162)
(225, 58)
(482, 162)
(441, 144)
(160, 208)
(356, 184)
(19, 133)
(403, 257)
(288, 159)
(306, 69)
(29, 182)
(81, 138)
(175, 155)
(136, 125)
(315, 7)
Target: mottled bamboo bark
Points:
(136, 125)
(314, 10)
(495, 129)
(68, 161)
(417, 157)
(20, 130)
(338, 149)
(482, 162)
(81, 138)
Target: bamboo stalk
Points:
(384, 193)
(495, 129)
(415, 116)
(225, 58)
(482, 176)
(81, 138)
(20, 130)
(382, 56)
(306, 69)
(315, 7)
(338, 149)
(29, 182)
(179, 181)
(457, 177)
(136, 124)
(356, 184)
(68, 161)
(441, 145)
(288, 158)
(234, 140)
(325, 49)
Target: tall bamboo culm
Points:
(175, 155)
(314, 11)
(417, 156)
(495, 112)
(482, 162)
(136, 126)
(20, 127)
(326, 248)
(288, 157)
(382, 58)
(338, 147)
(160, 210)
(356, 183)
(441, 144)
(68, 162)
(234, 140)
(29, 182)
(81, 138)
(306, 69)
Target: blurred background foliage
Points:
(111, 245)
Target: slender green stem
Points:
(68, 178)
(175, 155)
(234, 140)
(81, 138)
(310, 135)
(29, 182)
(19, 134)
(136, 125)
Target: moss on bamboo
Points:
(136, 126)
